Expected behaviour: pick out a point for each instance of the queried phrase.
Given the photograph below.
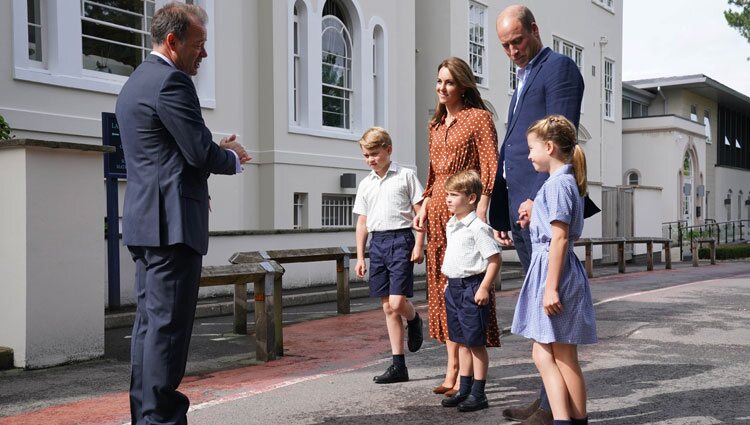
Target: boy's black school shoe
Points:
(414, 334)
(472, 404)
(392, 375)
(454, 401)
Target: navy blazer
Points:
(554, 86)
(169, 154)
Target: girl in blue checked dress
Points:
(554, 307)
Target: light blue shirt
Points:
(523, 73)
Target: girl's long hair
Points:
(560, 131)
(465, 82)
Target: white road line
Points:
(635, 294)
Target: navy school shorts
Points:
(467, 321)
(391, 269)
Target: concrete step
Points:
(6, 358)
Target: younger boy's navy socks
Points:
(399, 360)
(557, 422)
(465, 385)
(477, 389)
(584, 421)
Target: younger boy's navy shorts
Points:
(467, 321)
(391, 269)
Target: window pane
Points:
(34, 15)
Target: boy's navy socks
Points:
(584, 421)
(399, 360)
(477, 388)
(465, 385)
(558, 422)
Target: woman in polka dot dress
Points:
(462, 136)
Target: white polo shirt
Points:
(388, 201)
(469, 245)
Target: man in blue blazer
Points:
(548, 83)
(169, 154)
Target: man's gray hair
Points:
(175, 18)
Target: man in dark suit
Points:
(169, 154)
(548, 83)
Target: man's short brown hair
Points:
(374, 138)
(466, 182)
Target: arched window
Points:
(336, 49)
(633, 179)
(378, 75)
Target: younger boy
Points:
(386, 202)
(472, 260)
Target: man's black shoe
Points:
(393, 374)
(472, 404)
(414, 333)
(454, 401)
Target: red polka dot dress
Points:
(469, 142)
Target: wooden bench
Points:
(266, 276)
(711, 247)
(341, 255)
(589, 243)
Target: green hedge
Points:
(726, 252)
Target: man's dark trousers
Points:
(166, 288)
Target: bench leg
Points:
(589, 260)
(261, 333)
(694, 248)
(342, 285)
(649, 256)
(713, 252)
(279, 331)
(621, 257)
(240, 309)
(667, 256)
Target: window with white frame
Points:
(609, 69)
(300, 211)
(296, 66)
(707, 124)
(337, 211)
(91, 44)
(36, 39)
(694, 113)
(478, 42)
(336, 59)
(378, 75)
(513, 76)
(115, 34)
(570, 50)
(633, 178)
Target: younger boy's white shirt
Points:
(388, 201)
(469, 245)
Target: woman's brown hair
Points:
(463, 77)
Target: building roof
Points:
(700, 84)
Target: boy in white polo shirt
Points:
(472, 260)
(386, 202)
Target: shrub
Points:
(726, 252)
(4, 129)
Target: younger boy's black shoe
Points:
(454, 401)
(414, 333)
(393, 374)
(472, 404)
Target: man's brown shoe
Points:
(521, 413)
(540, 417)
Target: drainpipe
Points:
(661, 93)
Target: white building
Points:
(299, 81)
(688, 137)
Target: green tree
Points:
(738, 17)
(4, 129)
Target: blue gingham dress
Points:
(557, 200)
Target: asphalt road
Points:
(674, 349)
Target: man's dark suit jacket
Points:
(169, 154)
(554, 86)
